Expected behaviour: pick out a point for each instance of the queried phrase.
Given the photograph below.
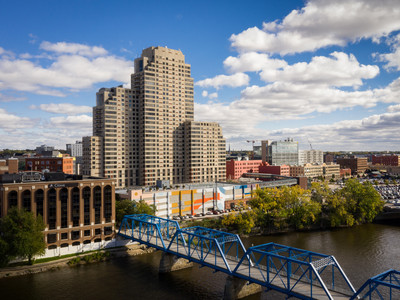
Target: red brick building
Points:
(386, 160)
(9, 166)
(358, 165)
(236, 168)
(283, 170)
(53, 164)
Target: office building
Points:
(236, 168)
(9, 166)
(358, 165)
(50, 164)
(75, 149)
(386, 160)
(76, 210)
(278, 153)
(147, 133)
(311, 157)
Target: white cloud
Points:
(235, 80)
(205, 94)
(338, 70)
(393, 108)
(213, 95)
(80, 122)
(63, 108)
(66, 73)
(11, 98)
(252, 62)
(320, 24)
(73, 48)
(392, 59)
(10, 122)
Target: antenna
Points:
(309, 143)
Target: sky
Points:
(325, 73)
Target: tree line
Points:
(286, 207)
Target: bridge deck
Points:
(252, 274)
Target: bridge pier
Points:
(170, 262)
(237, 288)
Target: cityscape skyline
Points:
(314, 71)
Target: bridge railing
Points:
(290, 270)
(208, 246)
(382, 286)
(150, 230)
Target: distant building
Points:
(51, 164)
(386, 160)
(316, 170)
(311, 157)
(75, 149)
(283, 170)
(329, 158)
(43, 148)
(331, 170)
(235, 169)
(79, 212)
(358, 165)
(9, 166)
(345, 172)
(282, 152)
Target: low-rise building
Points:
(331, 170)
(236, 168)
(51, 164)
(307, 170)
(386, 160)
(358, 165)
(283, 170)
(77, 211)
(9, 166)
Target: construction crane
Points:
(309, 143)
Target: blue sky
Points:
(320, 71)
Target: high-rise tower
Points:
(147, 133)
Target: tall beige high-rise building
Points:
(148, 132)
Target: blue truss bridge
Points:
(294, 272)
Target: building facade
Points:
(51, 164)
(284, 152)
(9, 166)
(386, 160)
(283, 170)
(76, 210)
(358, 165)
(311, 157)
(75, 149)
(236, 168)
(146, 133)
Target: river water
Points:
(362, 252)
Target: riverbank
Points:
(131, 250)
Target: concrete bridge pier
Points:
(170, 262)
(237, 288)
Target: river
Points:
(362, 251)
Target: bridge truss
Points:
(294, 272)
(382, 286)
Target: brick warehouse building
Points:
(78, 212)
(52, 164)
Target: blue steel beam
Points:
(288, 264)
(379, 280)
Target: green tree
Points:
(363, 201)
(128, 207)
(22, 234)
